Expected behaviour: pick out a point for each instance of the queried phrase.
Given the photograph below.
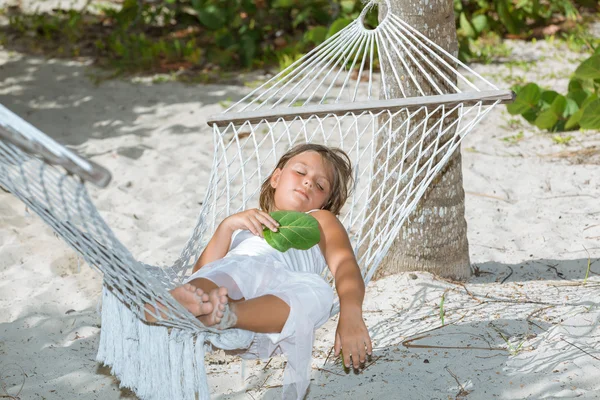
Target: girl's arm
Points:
(216, 248)
(253, 220)
(352, 335)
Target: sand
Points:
(524, 326)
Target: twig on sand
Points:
(328, 354)
(579, 348)
(369, 364)
(507, 276)
(469, 293)
(3, 385)
(539, 310)
(268, 362)
(462, 392)
(408, 343)
(489, 196)
(262, 386)
(330, 371)
(558, 273)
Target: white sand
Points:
(531, 216)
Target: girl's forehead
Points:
(313, 160)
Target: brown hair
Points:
(342, 176)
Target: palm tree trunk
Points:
(434, 238)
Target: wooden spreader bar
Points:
(321, 110)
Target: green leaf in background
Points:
(573, 120)
(591, 116)
(546, 120)
(296, 230)
(559, 105)
(338, 25)
(550, 117)
(480, 23)
(589, 69)
(506, 18)
(575, 84)
(578, 96)
(316, 35)
(572, 107)
(466, 27)
(527, 98)
(589, 100)
(347, 5)
(547, 98)
(210, 16)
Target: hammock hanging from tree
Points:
(331, 96)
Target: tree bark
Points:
(434, 237)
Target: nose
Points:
(307, 182)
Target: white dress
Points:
(252, 268)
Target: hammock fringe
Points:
(149, 360)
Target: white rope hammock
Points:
(397, 146)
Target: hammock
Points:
(330, 96)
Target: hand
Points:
(252, 220)
(353, 338)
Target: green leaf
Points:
(559, 105)
(589, 100)
(546, 120)
(579, 96)
(573, 120)
(527, 99)
(248, 49)
(210, 16)
(296, 230)
(548, 97)
(591, 116)
(505, 17)
(572, 107)
(530, 116)
(589, 69)
(480, 23)
(338, 25)
(347, 6)
(575, 84)
(466, 27)
(316, 35)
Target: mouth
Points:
(302, 193)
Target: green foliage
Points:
(517, 19)
(554, 112)
(212, 36)
(296, 230)
(218, 34)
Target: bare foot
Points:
(193, 299)
(219, 300)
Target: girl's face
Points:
(303, 184)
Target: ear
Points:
(275, 178)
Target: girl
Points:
(240, 281)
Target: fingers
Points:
(256, 219)
(369, 346)
(267, 221)
(355, 352)
(337, 346)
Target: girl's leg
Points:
(264, 314)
